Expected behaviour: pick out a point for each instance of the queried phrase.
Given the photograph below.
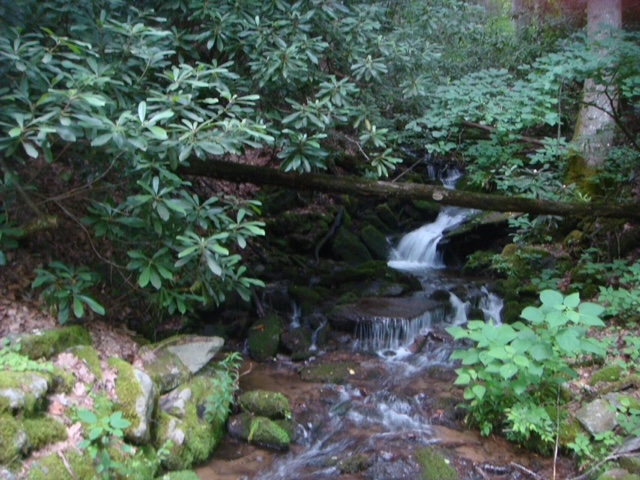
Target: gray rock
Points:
(196, 353)
(6, 474)
(175, 402)
(27, 395)
(597, 417)
(144, 407)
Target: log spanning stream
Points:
(397, 397)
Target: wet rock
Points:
(375, 241)
(596, 417)
(48, 343)
(349, 248)
(264, 338)
(630, 464)
(6, 474)
(264, 403)
(137, 397)
(258, 430)
(618, 474)
(298, 341)
(329, 372)
(394, 469)
(347, 317)
(434, 465)
(22, 391)
(354, 463)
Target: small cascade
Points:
(419, 249)
(383, 334)
(314, 336)
(295, 316)
(460, 310)
(491, 306)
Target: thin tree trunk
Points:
(241, 173)
(595, 126)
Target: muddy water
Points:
(386, 411)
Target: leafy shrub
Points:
(511, 373)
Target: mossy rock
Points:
(23, 392)
(298, 342)
(386, 216)
(195, 436)
(53, 467)
(44, 431)
(179, 475)
(51, 342)
(306, 297)
(618, 474)
(630, 464)
(338, 373)
(137, 399)
(264, 338)
(14, 442)
(89, 355)
(353, 464)
(375, 241)
(265, 403)
(349, 248)
(434, 466)
(612, 373)
(259, 430)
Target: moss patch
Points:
(128, 391)
(329, 372)
(13, 440)
(611, 373)
(375, 241)
(265, 403)
(434, 465)
(44, 431)
(354, 464)
(266, 432)
(52, 467)
(52, 342)
(22, 391)
(348, 247)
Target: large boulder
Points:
(259, 430)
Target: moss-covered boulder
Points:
(306, 297)
(434, 465)
(375, 241)
(51, 342)
(14, 442)
(264, 338)
(348, 247)
(258, 430)
(265, 403)
(386, 216)
(137, 399)
(611, 373)
(298, 342)
(195, 434)
(23, 392)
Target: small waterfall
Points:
(460, 309)
(419, 249)
(314, 336)
(295, 316)
(491, 306)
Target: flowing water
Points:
(398, 398)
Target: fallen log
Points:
(350, 185)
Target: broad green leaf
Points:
(463, 378)
(508, 370)
(572, 301)
(212, 264)
(479, 391)
(161, 116)
(556, 319)
(87, 416)
(145, 276)
(533, 314)
(78, 309)
(101, 140)
(551, 298)
(591, 309)
(30, 150)
(93, 305)
(568, 340)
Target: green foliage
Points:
(65, 289)
(512, 372)
(219, 403)
(105, 434)
(11, 359)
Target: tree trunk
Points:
(241, 173)
(595, 125)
